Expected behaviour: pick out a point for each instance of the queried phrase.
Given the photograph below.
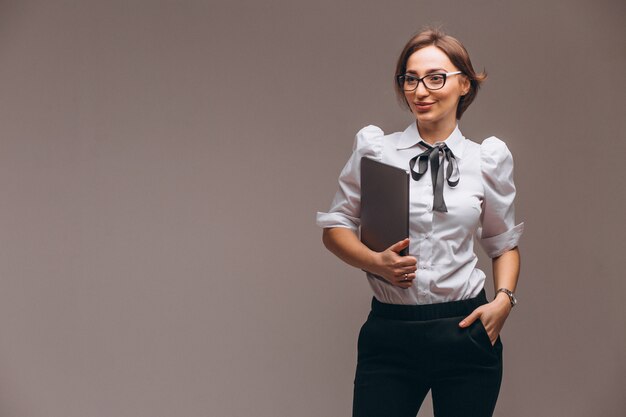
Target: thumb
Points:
(469, 319)
(398, 246)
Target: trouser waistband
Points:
(427, 311)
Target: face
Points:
(434, 107)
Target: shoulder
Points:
(496, 163)
(369, 141)
(493, 152)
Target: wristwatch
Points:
(512, 298)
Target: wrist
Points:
(502, 301)
(502, 298)
(507, 296)
(372, 261)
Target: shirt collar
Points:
(411, 137)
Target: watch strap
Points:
(510, 294)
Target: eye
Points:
(435, 78)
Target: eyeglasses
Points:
(433, 81)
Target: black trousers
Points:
(406, 350)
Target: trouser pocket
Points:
(480, 336)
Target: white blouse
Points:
(480, 205)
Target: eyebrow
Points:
(428, 71)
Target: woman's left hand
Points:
(493, 315)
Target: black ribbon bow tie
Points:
(436, 171)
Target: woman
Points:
(431, 326)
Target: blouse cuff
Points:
(326, 220)
(496, 245)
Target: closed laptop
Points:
(384, 204)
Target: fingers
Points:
(404, 282)
(471, 318)
(408, 262)
(401, 277)
(404, 279)
(404, 265)
(398, 246)
(402, 268)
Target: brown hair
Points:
(457, 54)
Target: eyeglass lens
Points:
(431, 81)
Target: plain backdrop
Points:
(161, 164)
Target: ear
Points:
(465, 85)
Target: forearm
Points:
(345, 244)
(494, 314)
(506, 269)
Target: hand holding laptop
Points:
(396, 269)
(385, 221)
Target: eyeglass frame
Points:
(445, 78)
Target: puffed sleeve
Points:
(345, 208)
(498, 232)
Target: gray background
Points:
(161, 163)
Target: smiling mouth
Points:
(423, 106)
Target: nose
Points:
(421, 90)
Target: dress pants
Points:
(406, 350)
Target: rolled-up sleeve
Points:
(498, 232)
(345, 208)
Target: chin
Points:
(425, 117)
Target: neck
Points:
(437, 132)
